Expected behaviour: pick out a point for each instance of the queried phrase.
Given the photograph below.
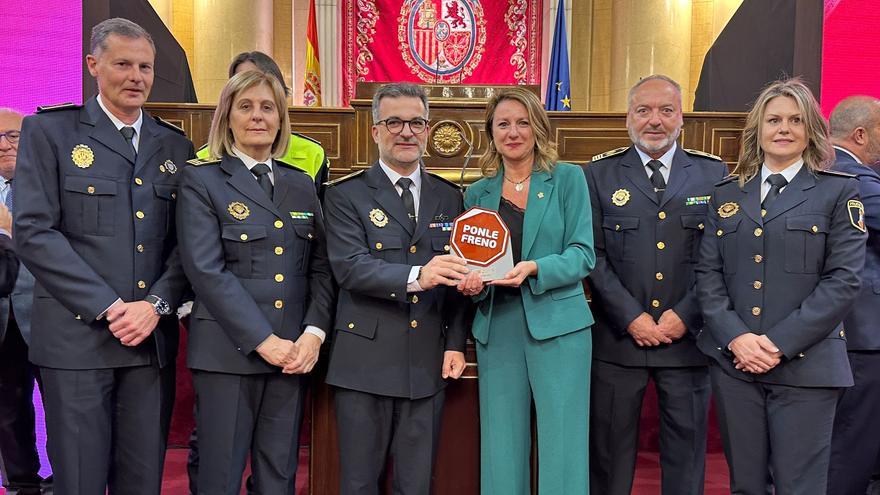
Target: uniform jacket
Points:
(9, 267)
(258, 266)
(558, 236)
(646, 253)
(792, 275)
(388, 342)
(20, 300)
(862, 325)
(94, 224)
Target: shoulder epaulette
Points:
(287, 165)
(837, 173)
(344, 178)
(445, 180)
(60, 106)
(703, 154)
(169, 125)
(729, 178)
(297, 134)
(203, 161)
(613, 152)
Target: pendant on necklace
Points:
(518, 187)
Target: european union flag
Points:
(558, 80)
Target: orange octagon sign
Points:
(480, 236)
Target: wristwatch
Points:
(161, 306)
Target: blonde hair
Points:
(220, 138)
(818, 153)
(545, 149)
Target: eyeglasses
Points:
(395, 126)
(12, 136)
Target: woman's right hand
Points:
(472, 284)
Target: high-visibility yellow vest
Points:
(303, 152)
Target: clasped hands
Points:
(131, 322)
(292, 357)
(472, 284)
(754, 353)
(647, 333)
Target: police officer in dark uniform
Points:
(778, 271)
(96, 189)
(400, 326)
(855, 445)
(649, 212)
(252, 243)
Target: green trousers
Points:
(515, 368)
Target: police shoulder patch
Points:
(856, 211)
(344, 178)
(203, 161)
(703, 154)
(614, 152)
(60, 106)
(169, 125)
(728, 179)
(445, 180)
(836, 173)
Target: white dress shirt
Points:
(788, 173)
(412, 281)
(136, 139)
(666, 160)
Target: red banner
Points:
(441, 42)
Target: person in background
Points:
(532, 326)
(778, 272)
(855, 133)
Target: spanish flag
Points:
(312, 89)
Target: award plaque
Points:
(483, 240)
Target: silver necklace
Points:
(517, 185)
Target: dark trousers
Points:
(107, 428)
(774, 435)
(19, 461)
(371, 427)
(615, 410)
(855, 445)
(238, 415)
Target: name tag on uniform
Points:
(443, 226)
(697, 200)
(301, 215)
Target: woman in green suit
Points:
(532, 327)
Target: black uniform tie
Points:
(777, 182)
(128, 134)
(657, 178)
(408, 200)
(261, 171)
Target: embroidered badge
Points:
(378, 217)
(728, 210)
(441, 217)
(238, 210)
(697, 200)
(82, 156)
(620, 197)
(856, 214)
(301, 215)
(170, 167)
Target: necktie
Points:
(408, 200)
(261, 171)
(657, 178)
(10, 202)
(777, 182)
(128, 134)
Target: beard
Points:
(655, 147)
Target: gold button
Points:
(243, 237)
(617, 227)
(802, 355)
(662, 215)
(446, 247)
(140, 248)
(279, 304)
(415, 299)
(655, 303)
(279, 277)
(763, 213)
(173, 195)
(393, 295)
(414, 323)
(279, 224)
(142, 284)
(661, 245)
(756, 311)
(814, 229)
(139, 214)
(842, 334)
(758, 232)
(279, 250)
(350, 326)
(758, 258)
(78, 317)
(719, 233)
(138, 181)
(378, 245)
(412, 249)
(659, 276)
(309, 235)
(91, 189)
(701, 226)
(757, 284)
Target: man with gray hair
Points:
(649, 208)
(855, 443)
(400, 322)
(95, 195)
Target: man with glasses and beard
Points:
(400, 322)
(649, 207)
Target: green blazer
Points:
(558, 236)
